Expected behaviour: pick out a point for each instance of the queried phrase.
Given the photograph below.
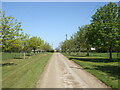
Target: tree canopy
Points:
(15, 40)
(103, 32)
(104, 28)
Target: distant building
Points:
(93, 49)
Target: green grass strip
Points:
(26, 72)
(107, 72)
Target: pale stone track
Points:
(63, 73)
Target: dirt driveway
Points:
(63, 73)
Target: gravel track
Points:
(63, 73)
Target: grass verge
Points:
(7, 56)
(107, 72)
(24, 73)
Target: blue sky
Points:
(49, 20)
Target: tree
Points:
(69, 45)
(14, 40)
(103, 31)
(34, 43)
(10, 30)
(82, 38)
(25, 43)
(47, 47)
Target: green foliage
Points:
(104, 26)
(77, 42)
(36, 43)
(47, 46)
(14, 40)
(69, 45)
(103, 31)
(11, 33)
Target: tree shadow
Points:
(76, 67)
(78, 55)
(109, 69)
(18, 57)
(104, 60)
(7, 64)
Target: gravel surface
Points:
(63, 73)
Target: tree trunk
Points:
(79, 52)
(24, 55)
(87, 52)
(34, 50)
(118, 54)
(110, 53)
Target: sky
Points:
(51, 21)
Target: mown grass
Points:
(7, 56)
(105, 70)
(24, 73)
(97, 55)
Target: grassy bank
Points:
(104, 70)
(24, 73)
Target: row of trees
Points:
(103, 33)
(14, 40)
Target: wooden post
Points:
(24, 55)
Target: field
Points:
(99, 65)
(23, 73)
